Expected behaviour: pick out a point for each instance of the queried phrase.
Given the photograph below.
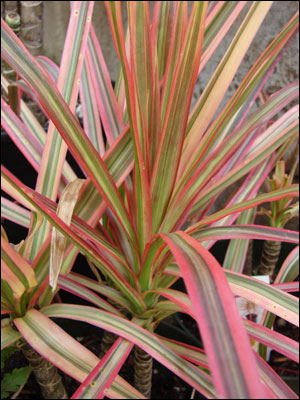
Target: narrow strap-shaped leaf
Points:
(271, 143)
(15, 267)
(94, 386)
(73, 357)
(218, 23)
(55, 149)
(17, 279)
(163, 19)
(221, 79)
(109, 109)
(15, 213)
(246, 232)
(288, 272)
(290, 267)
(66, 124)
(175, 47)
(138, 126)
(35, 130)
(276, 385)
(80, 243)
(273, 339)
(35, 224)
(265, 113)
(245, 205)
(104, 290)
(8, 336)
(81, 291)
(65, 352)
(139, 336)
(21, 136)
(181, 299)
(246, 191)
(173, 132)
(273, 136)
(228, 349)
(247, 91)
(91, 117)
(269, 297)
(288, 286)
(270, 338)
(237, 250)
(274, 300)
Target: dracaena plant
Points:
(144, 215)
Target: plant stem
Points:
(45, 373)
(269, 258)
(142, 371)
(248, 268)
(109, 338)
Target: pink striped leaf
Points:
(103, 289)
(8, 335)
(64, 351)
(174, 128)
(81, 291)
(217, 25)
(245, 205)
(274, 300)
(228, 349)
(273, 339)
(109, 109)
(245, 232)
(90, 112)
(21, 136)
(142, 197)
(210, 99)
(65, 123)
(55, 149)
(15, 213)
(139, 336)
(275, 384)
(80, 243)
(96, 383)
(287, 286)
(274, 136)
(288, 272)
(290, 267)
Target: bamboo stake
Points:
(13, 20)
(10, 6)
(32, 26)
(31, 35)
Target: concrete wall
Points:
(56, 14)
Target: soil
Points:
(165, 384)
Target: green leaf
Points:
(6, 353)
(12, 381)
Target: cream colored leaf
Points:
(65, 209)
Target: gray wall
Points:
(56, 14)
